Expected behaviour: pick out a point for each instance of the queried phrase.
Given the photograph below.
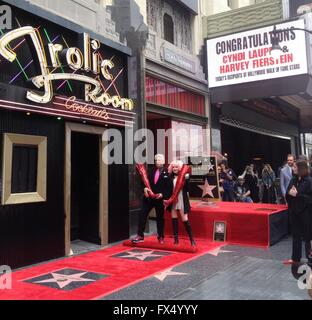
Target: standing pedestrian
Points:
(286, 175)
(299, 199)
(227, 178)
(268, 179)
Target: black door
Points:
(85, 176)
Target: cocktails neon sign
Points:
(88, 61)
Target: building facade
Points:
(53, 123)
(170, 72)
(175, 86)
(162, 80)
(62, 86)
(254, 106)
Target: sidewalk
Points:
(95, 274)
(230, 273)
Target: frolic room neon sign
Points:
(87, 61)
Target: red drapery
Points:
(169, 95)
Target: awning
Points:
(261, 89)
(295, 90)
(191, 5)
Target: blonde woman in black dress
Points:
(182, 204)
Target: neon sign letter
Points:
(75, 59)
(11, 56)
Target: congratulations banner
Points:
(246, 56)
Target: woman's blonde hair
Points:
(178, 163)
(268, 168)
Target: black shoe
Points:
(137, 239)
(189, 232)
(294, 269)
(161, 240)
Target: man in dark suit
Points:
(161, 186)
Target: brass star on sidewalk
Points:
(140, 255)
(207, 189)
(62, 280)
(215, 252)
(164, 274)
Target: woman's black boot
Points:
(175, 228)
(188, 229)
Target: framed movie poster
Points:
(219, 231)
(204, 180)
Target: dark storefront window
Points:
(168, 28)
(24, 169)
(24, 176)
(172, 96)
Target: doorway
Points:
(85, 176)
(86, 187)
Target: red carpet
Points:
(183, 246)
(111, 272)
(247, 223)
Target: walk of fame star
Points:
(215, 252)
(67, 279)
(142, 255)
(220, 228)
(164, 274)
(207, 189)
(210, 167)
(62, 280)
